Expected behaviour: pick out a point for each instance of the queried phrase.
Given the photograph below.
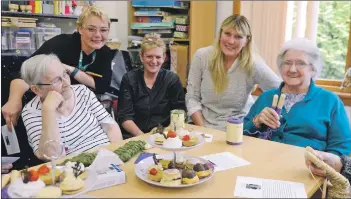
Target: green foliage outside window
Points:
(333, 35)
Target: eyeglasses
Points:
(57, 81)
(298, 64)
(93, 30)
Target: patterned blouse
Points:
(292, 99)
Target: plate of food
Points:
(174, 172)
(170, 140)
(38, 183)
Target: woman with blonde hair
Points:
(148, 95)
(81, 52)
(222, 76)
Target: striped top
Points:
(80, 131)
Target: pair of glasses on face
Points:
(93, 29)
(57, 81)
(297, 64)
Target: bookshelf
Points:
(202, 21)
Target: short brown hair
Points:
(152, 40)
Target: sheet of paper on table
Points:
(250, 187)
(10, 140)
(225, 160)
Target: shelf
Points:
(24, 14)
(180, 39)
(17, 53)
(174, 7)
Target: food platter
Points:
(198, 141)
(68, 182)
(143, 168)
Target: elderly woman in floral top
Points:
(310, 116)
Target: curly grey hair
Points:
(309, 48)
(35, 68)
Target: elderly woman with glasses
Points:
(68, 114)
(84, 54)
(310, 115)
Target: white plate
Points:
(151, 140)
(141, 170)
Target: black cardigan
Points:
(149, 107)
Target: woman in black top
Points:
(82, 53)
(148, 95)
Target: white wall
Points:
(119, 10)
(224, 10)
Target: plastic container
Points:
(234, 131)
(44, 34)
(4, 38)
(22, 39)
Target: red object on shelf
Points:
(32, 3)
(67, 10)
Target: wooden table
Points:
(270, 160)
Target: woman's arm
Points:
(132, 128)
(113, 131)
(81, 76)
(12, 109)
(125, 110)
(339, 131)
(193, 95)
(264, 75)
(50, 129)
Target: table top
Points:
(269, 160)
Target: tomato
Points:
(43, 170)
(186, 138)
(171, 134)
(33, 175)
(153, 171)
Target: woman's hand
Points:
(332, 160)
(53, 100)
(11, 111)
(269, 117)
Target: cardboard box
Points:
(179, 62)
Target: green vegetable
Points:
(125, 153)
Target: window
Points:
(333, 35)
(328, 23)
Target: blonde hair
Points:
(152, 40)
(217, 69)
(92, 11)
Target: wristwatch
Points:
(346, 167)
(74, 72)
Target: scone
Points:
(164, 163)
(49, 192)
(189, 140)
(155, 173)
(189, 177)
(202, 170)
(159, 139)
(171, 177)
(71, 185)
(47, 178)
